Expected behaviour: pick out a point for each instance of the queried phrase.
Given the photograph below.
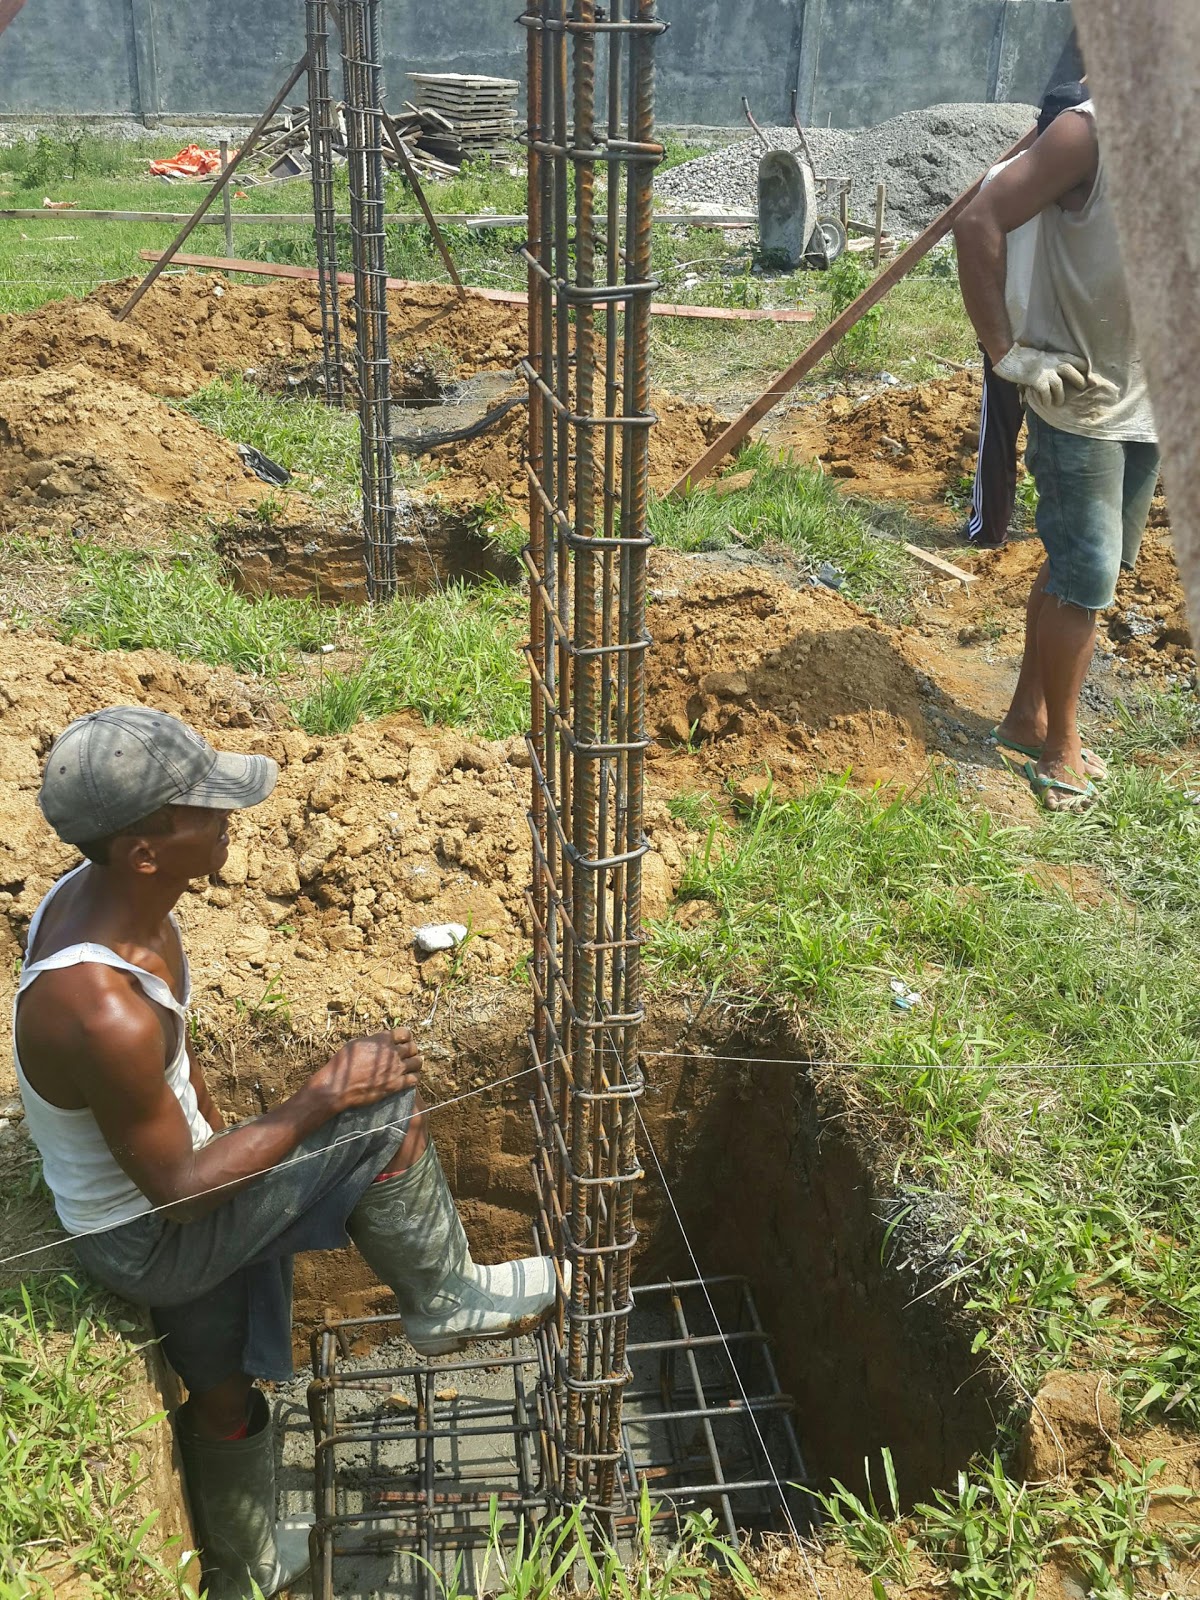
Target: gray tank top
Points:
(1079, 304)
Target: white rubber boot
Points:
(410, 1235)
(231, 1489)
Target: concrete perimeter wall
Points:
(853, 62)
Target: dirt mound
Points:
(748, 674)
(82, 450)
(897, 444)
(367, 837)
(494, 463)
(190, 328)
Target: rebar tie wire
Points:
(591, 119)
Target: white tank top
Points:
(1079, 303)
(90, 1190)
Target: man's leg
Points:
(1081, 493)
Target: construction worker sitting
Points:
(166, 1205)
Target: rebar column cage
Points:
(321, 116)
(589, 422)
(363, 94)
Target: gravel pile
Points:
(926, 158)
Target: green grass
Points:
(187, 607)
(452, 656)
(1077, 1189)
(71, 1460)
(788, 505)
(317, 444)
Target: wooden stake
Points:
(414, 183)
(219, 187)
(880, 209)
(227, 199)
(836, 331)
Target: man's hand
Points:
(368, 1070)
(1046, 374)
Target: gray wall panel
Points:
(854, 61)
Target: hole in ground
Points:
(770, 1183)
(436, 546)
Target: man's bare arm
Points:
(113, 1040)
(204, 1100)
(1063, 159)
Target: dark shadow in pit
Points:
(769, 1185)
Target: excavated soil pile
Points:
(495, 462)
(910, 444)
(367, 837)
(81, 451)
(749, 674)
(189, 329)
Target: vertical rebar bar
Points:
(587, 566)
(361, 51)
(321, 115)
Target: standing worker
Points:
(168, 1207)
(1002, 410)
(1092, 443)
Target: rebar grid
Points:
(363, 94)
(706, 1422)
(409, 1458)
(321, 115)
(588, 456)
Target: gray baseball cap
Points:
(114, 767)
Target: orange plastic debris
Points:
(192, 162)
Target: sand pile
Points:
(84, 451)
(748, 674)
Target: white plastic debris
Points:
(439, 936)
(904, 998)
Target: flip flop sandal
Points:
(1002, 743)
(1042, 785)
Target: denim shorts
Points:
(219, 1289)
(1093, 500)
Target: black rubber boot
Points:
(231, 1489)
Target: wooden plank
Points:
(8, 11)
(508, 297)
(947, 567)
(787, 380)
(303, 219)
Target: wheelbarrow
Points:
(794, 230)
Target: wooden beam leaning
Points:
(218, 188)
(414, 183)
(737, 430)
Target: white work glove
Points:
(1046, 374)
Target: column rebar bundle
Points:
(321, 113)
(363, 94)
(589, 420)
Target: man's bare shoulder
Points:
(90, 1012)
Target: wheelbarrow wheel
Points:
(827, 243)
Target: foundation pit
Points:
(771, 1186)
